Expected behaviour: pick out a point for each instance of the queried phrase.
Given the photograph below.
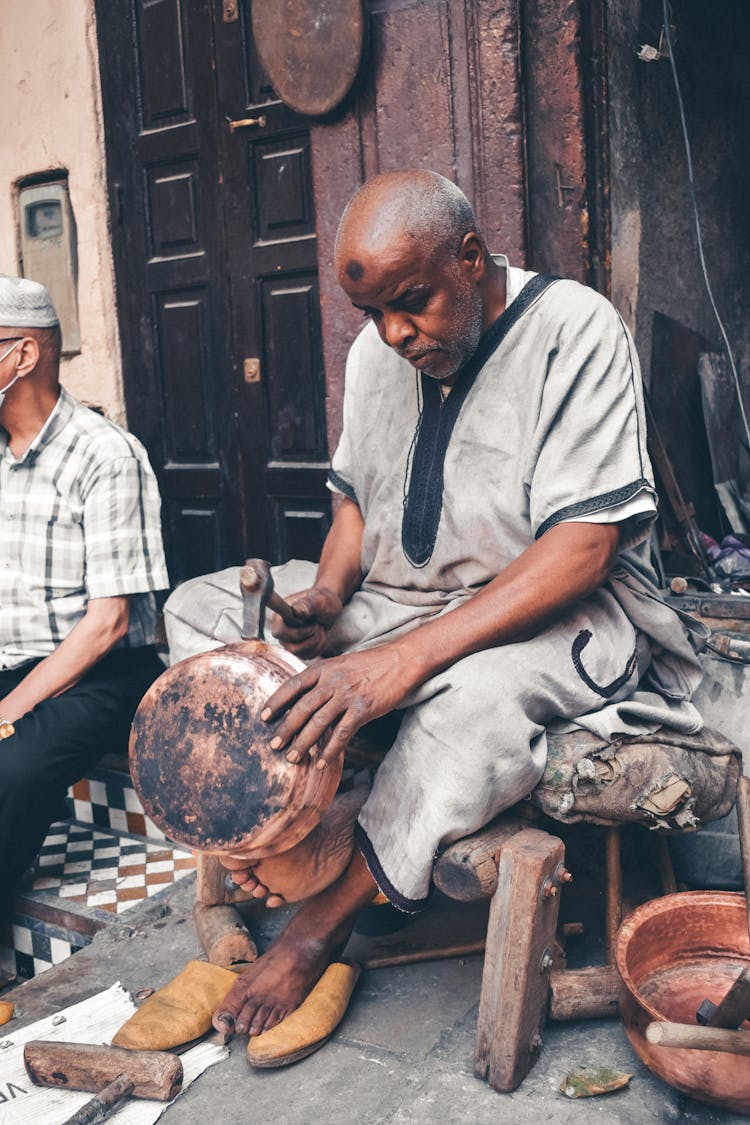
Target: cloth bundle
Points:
(664, 780)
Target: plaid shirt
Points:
(79, 519)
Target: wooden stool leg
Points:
(613, 891)
(666, 869)
(520, 936)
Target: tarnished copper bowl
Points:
(202, 764)
(672, 953)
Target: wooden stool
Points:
(521, 869)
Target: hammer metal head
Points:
(256, 584)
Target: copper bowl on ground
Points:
(201, 760)
(673, 953)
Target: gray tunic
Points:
(547, 427)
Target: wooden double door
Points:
(214, 241)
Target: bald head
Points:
(420, 206)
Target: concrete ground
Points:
(402, 1055)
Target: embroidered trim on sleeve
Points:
(595, 504)
(340, 485)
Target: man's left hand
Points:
(327, 703)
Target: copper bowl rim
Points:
(662, 906)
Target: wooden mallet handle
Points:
(103, 1104)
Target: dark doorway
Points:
(215, 257)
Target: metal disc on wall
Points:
(310, 49)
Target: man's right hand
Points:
(320, 607)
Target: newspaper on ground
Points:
(94, 1020)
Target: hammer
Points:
(111, 1072)
(256, 584)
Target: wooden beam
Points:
(517, 961)
(467, 870)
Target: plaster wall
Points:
(52, 119)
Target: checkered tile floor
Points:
(94, 868)
(109, 800)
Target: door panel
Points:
(214, 243)
(272, 248)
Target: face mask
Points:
(7, 386)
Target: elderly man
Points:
(486, 572)
(80, 559)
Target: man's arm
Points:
(342, 694)
(102, 626)
(339, 575)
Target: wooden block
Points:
(210, 889)
(518, 957)
(467, 870)
(223, 934)
(585, 994)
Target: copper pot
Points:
(200, 754)
(672, 953)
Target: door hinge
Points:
(251, 369)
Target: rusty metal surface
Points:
(201, 761)
(310, 49)
(672, 953)
(441, 89)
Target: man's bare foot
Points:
(309, 867)
(278, 982)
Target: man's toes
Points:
(275, 900)
(276, 1016)
(223, 1022)
(228, 1017)
(260, 1020)
(260, 891)
(245, 880)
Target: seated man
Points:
(81, 555)
(486, 572)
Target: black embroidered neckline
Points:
(423, 495)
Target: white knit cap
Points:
(25, 304)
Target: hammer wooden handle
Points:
(696, 1038)
(81, 1066)
(104, 1102)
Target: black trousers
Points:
(56, 743)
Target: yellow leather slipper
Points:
(310, 1025)
(6, 1011)
(179, 1012)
